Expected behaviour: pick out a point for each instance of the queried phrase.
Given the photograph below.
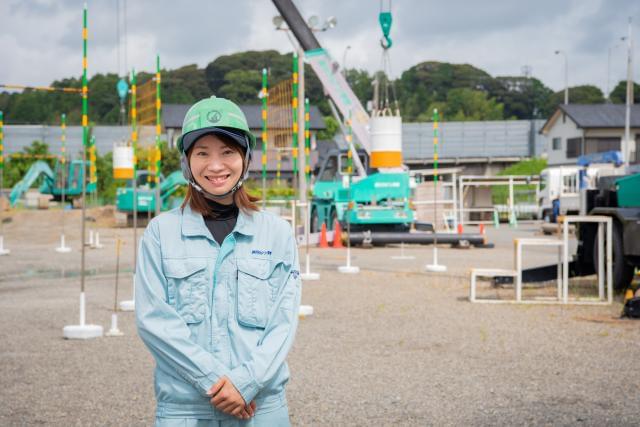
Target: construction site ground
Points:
(393, 345)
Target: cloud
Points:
(41, 39)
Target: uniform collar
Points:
(193, 224)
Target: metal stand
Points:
(402, 255)
(82, 331)
(308, 275)
(63, 248)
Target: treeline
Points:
(459, 91)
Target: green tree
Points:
(464, 104)
(585, 94)
(242, 86)
(619, 93)
(430, 82)
(523, 98)
(332, 128)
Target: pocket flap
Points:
(179, 268)
(260, 268)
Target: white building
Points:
(574, 130)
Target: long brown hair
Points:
(241, 198)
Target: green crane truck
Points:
(380, 201)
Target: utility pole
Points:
(626, 143)
(566, 75)
(302, 181)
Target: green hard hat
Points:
(215, 116)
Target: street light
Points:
(344, 61)
(566, 75)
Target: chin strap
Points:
(215, 197)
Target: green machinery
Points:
(52, 182)
(380, 200)
(146, 194)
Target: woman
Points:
(217, 286)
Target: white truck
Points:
(560, 187)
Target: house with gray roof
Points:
(574, 130)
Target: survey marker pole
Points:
(435, 267)
(83, 331)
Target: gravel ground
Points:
(391, 346)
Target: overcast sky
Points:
(40, 40)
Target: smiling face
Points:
(216, 165)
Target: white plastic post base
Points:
(436, 268)
(310, 276)
(90, 242)
(349, 269)
(82, 332)
(114, 331)
(63, 248)
(305, 310)
(128, 305)
(96, 242)
(3, 251)
(402, 255)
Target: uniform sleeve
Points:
(161, 328)
(275, 343)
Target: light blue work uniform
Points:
(207, 311)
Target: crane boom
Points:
(334, 83)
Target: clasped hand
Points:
(226, 398)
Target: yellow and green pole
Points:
(158, 152)
(307, 141)
(134, 142)
(93, 170)
(3, 251)
(294, 108)
(435, 267)
(85, 144)
(63, 248)
(63, 160)
(435, 118)
(264, 137)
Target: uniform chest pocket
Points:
(187, 287)
(256, 292)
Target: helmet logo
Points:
(214, 116)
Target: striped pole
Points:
(63, 160)
(435, 174)
(435, 267)
(307, 141)
(264, 137)
(349, 153)
(158, 157)
(134, 141)
(63, 248)
(85, 143)
(294, 108)
(93, 171)
(3, 251)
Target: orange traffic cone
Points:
(460, 230)
(482, 229)
(337, 235)
(323, 237)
